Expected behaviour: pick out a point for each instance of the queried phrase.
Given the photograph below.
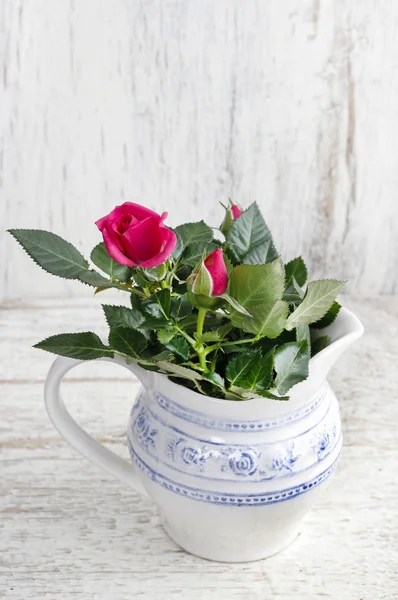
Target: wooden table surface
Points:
(67, 530)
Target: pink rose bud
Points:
(212, 276)
(135, 236)
(232, 212)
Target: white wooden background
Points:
(179, 104)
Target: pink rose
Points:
(212, 276)
(135, 236)
(236, 211)
(233, 211)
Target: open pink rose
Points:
(135, 236)
(212, 276)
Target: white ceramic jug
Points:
(233, 480)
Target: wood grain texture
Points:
(181, 104)
(69, 531)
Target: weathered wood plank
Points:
(182, 104)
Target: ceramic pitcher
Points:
(232, 479)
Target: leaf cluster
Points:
(256, 341)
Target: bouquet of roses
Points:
(224, 317)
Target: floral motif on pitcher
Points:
(243, 463)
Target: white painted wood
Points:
(69, 531)
(180, 104)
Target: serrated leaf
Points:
(155, 273)
(319, 344)
(121, 316)
(105, 263)
(252, 285)
(139, 278)
(317, 301)
(249, 239)
(303, 333)
(179, 371)
(158, 305)
(180, 307)
(51, 252)
(96, 280)
(296, 269)
(292, 298)
(250, 370)
(165, 335)
(179, 346)
(164, 355)
(82, 346)
(128, 341)
(215, 379)
(235, 304)
(192, 255)
(208, 336)
(192, 233)
(291, 365)
(267, 319)
(329, 317)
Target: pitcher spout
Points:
(342, 333)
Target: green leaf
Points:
(103, 261)
(250, 370)
(96, 280)
(291, 365)
(271, 396)
(155, 273)
(317, 301)
(128, 341)
(252, 285)
(292, 298)
(158, 305)
(192, 233)
(179, 371)
(235, 304)
(179, 345)
(51, 252)
(249, 239)
(192, 255)
(180, 307)
(303, 333)
(140, 279)
(329, 317)
(267, 319)
(319, 344)
(215, 379)
(83, 346)
(121, 316)
(165, 335)
(208, 336)
(296, 269)
(165, 355)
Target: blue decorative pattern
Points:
(218, 460)
(228, 499)
(201, 419)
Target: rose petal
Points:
(236, 211)
(218, 271)
(168, 245)
(143, 241)
(114, 250)
(123, 223)
(128, 208)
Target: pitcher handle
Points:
(75, 435)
